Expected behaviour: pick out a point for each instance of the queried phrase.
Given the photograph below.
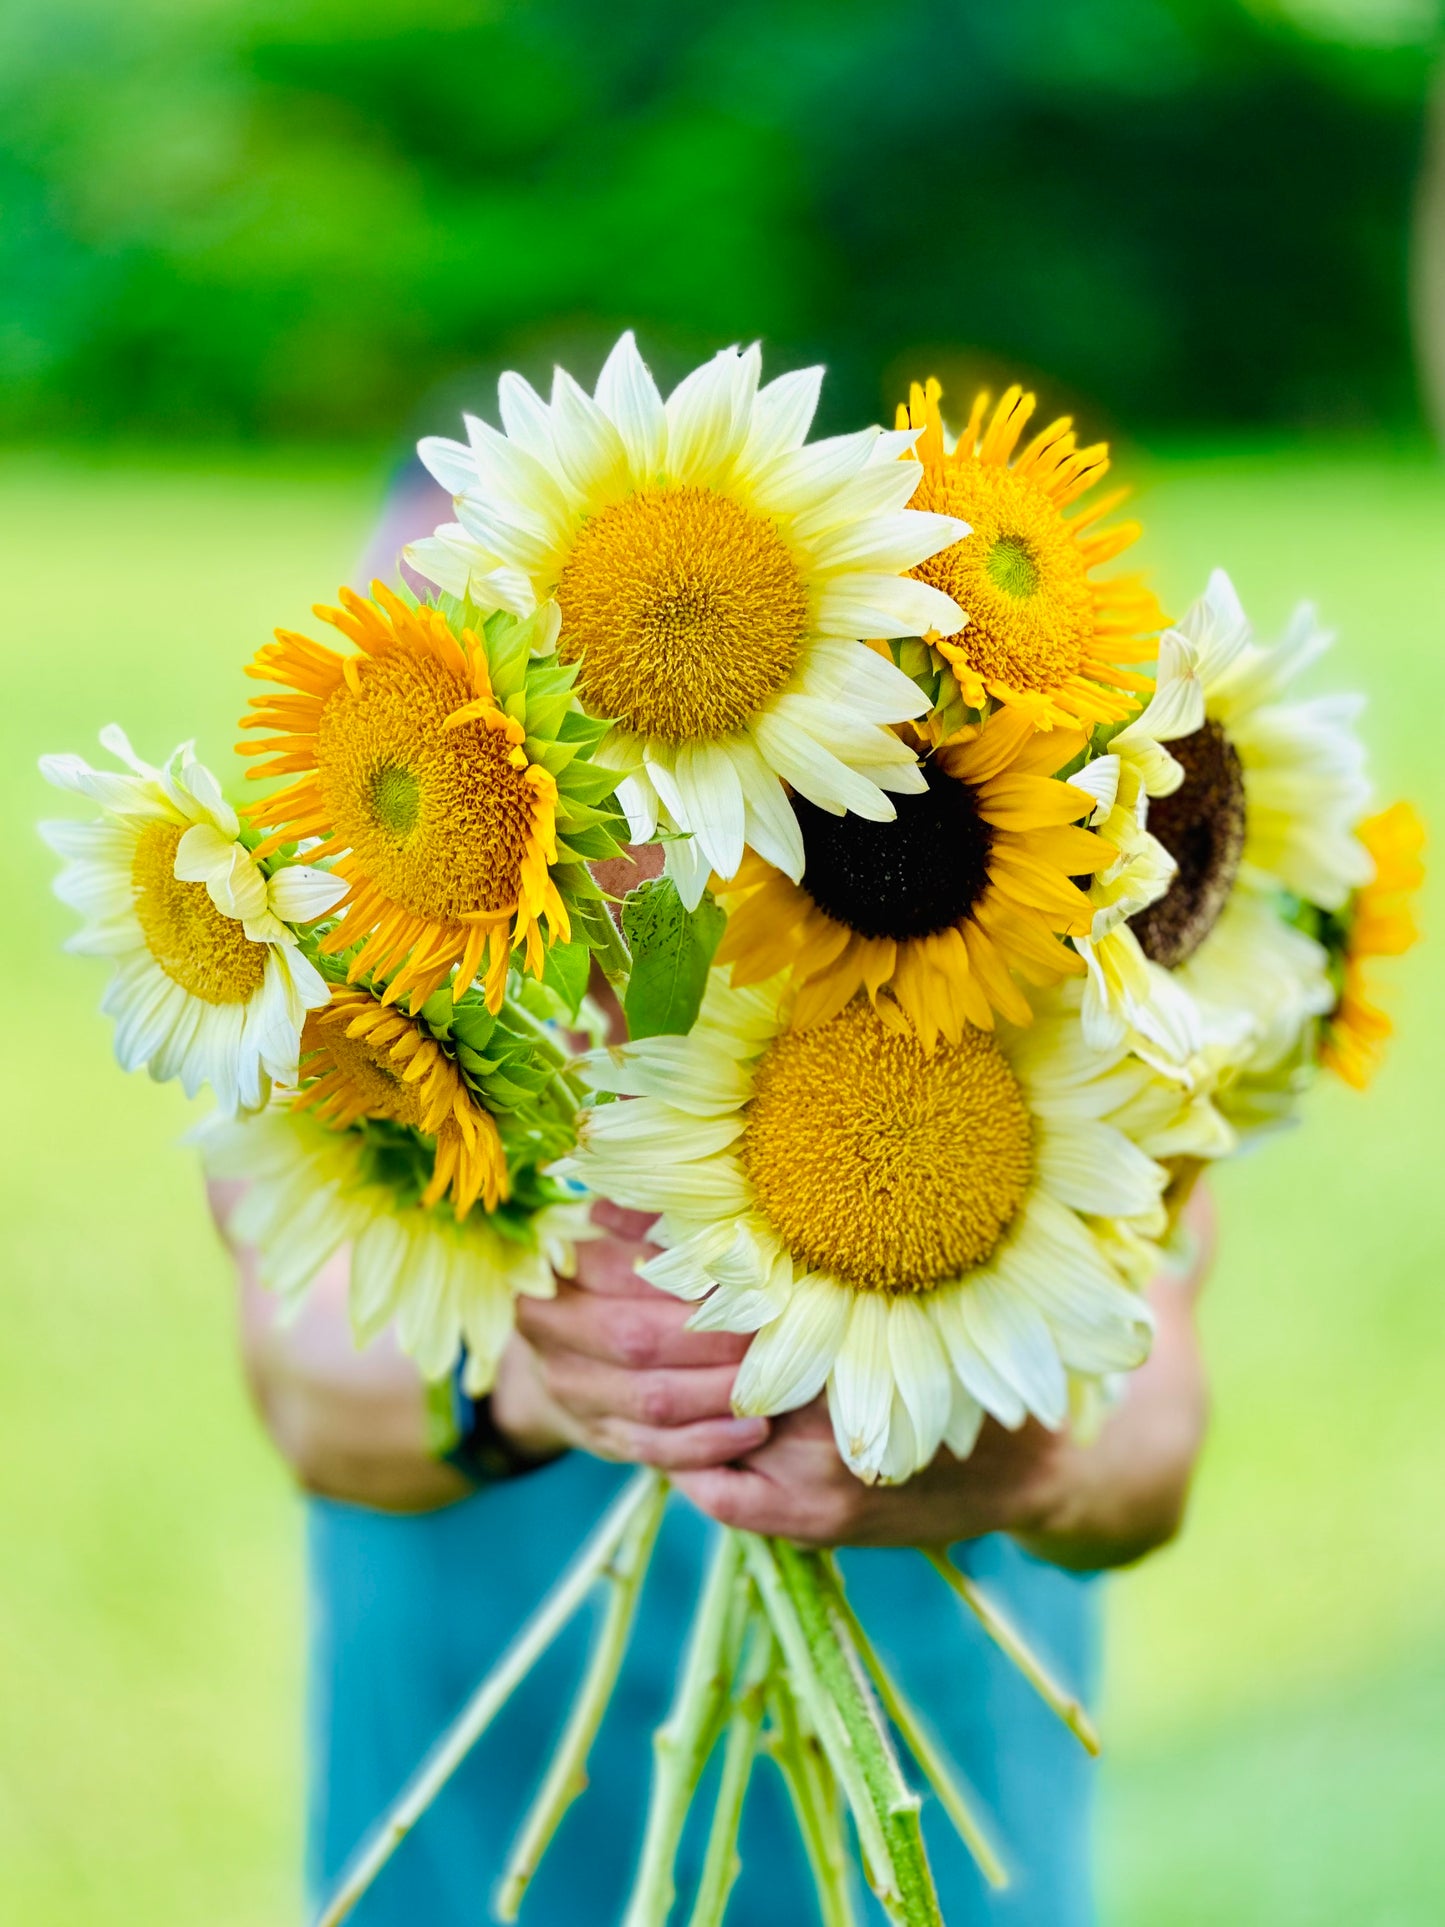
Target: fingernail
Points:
(748, 1432)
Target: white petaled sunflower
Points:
(210, 986)
(714, 574)
(1255, 797)
(444, 1282)
(1126, 996)
(930, 1236)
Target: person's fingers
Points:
(643, 1334)
(610, 1265)
(682, 1448)
(592, 1389)
(624, 1224)
(737, 1496)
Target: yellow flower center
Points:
(1019, 577)
(686, 610)
(438, 819)
(359, 1081)
(887, 1169)
(209, 955)
(363, 1059)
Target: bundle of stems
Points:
(777, 1667)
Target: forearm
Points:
(1121, 1496)
(350, 1424)
(1110, 1502)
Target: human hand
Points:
(798, 1487)
(608, 1365)
(350, 1424)
(1082, 1506)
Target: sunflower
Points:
(930, 1236)
(364, 1058)
(1126, 996)
(1262, 816)
(1043, 633)
(446, 1282)
(933, 912)
(442, 773)
(210, 986)
(714, 575)
(1380, 922)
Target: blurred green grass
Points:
(1277, 1680)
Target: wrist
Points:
(525, 1418)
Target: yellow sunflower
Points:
(424, 788)
(929, 1237)
(933, 912)
(361, 1058)
(1042, 632)
(1381, 924)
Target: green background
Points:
(1277, 1680)
(300, 217)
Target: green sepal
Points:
(591, 783)
(591, 843)
(566, 969)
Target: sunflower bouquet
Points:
(994, 907)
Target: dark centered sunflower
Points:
(913, 877)
(936, 912)
(1202, 826)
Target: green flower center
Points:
(1011, 567)
(395, 800)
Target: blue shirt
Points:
(409, 1613)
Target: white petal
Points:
(965, 1420)
(782, 415)
(861, 604)
(704, 434)
(1017, 1342)
(789, 1360)
(526, 418)
(921, 1371)
(626, 390)
(816, 772)
(638, 799)
(975, 1369)
(772, 827)
(803, 477)
(860, 1392)
(232, 878)
(711, 798)
(888, 542)
(1099, 779)
(590, 451)
(450, 463)
(1095, 1168)
(300, 893)
(686, 863)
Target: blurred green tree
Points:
(298, 217)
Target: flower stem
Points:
(482, 1708)
(612, 953)
(817, 1806)
(722, 1864)
(826, 1672)
(1012, 1644)
(921, 1744)
(566, 1775)
(683, 1742)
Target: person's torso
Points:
(409, 1613)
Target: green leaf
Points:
(565, 969)
(671, 952)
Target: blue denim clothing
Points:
(410, 1612)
